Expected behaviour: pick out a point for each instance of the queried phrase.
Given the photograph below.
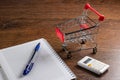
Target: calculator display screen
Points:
(88, 60)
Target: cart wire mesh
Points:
(80, 31)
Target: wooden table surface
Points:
(26, 20)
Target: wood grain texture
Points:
(26, 20)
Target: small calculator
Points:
(93, 65)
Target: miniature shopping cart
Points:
(79, 33)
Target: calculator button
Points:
(89, 65)
(98, 65)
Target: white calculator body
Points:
(93, 65)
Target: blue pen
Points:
(31, 61)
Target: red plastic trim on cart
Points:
(84, 26)
(101, 17)
(59, 34)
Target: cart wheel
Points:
(63, 49)
(69, 56)
(94, 50)
(83, 41)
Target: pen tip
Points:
(37, 47)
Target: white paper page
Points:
(1, 75)
(6, 71)
(48, 66)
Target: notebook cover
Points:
(48, 65)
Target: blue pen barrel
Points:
(31, 61)
(28, 68)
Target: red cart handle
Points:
(101, 17)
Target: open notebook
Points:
(48, 65)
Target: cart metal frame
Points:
(79, 30)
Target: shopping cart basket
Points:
(79, 33)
